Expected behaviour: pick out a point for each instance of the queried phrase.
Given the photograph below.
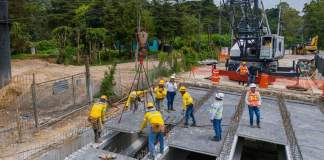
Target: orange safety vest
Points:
(243, 69)
(254, 98)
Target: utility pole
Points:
(199, 32)
(220, 18)
(138, 30)
(5, 64)
(279, 19)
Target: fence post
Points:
(73, 90)
(88, 81)
(34, 98)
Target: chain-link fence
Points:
(56, 98)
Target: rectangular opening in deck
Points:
(251, 149)
(180, 154)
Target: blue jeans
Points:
(254, 110)
(217, 123)
(159, 104)
(170, 98)
(151, 140)
(190, 113)
(251, 79)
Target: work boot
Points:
(215, 139)
(194, 125)
(258, 125)
(151, 157)
(185, 126)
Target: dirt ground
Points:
(45, 71)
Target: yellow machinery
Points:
(309, 48)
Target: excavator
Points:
(306, 48)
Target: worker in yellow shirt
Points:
(156, 128)
(160, 94)
(133, 99)
(187, 106)
(97, 116)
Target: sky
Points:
(298, 4)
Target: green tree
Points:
(62, 36)
(314, 21)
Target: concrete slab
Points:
(197, 139)
(272, 129)
(93, 154)
(308, 124)
(131, 122)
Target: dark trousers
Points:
(254, 110)
(190, 113)
(217, 124)
(170, 98)
(251, 79)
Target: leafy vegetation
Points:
(105, 29)
(107, 83)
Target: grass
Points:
(32, 56)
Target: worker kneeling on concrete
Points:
(133, 99)
(253, 100)
(156, 128)
(160, 94)
(187, 106)
(216, 113)
(97, 116)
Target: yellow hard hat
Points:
(182, 88)
(104, 97)
(243, 62)
(161, 82)
(150, 105)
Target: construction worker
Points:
(97, 116)
(216, 113)
(243, 71)
(172, 91)
(160, 94)
(133, 99)
(187, 106)
(253, 100)
(253, 72)
(156, 128)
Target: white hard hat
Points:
(252, 85)
(172, 77)
(219, 95)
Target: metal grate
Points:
(292, 141)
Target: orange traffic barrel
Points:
(215, 77)
(322, 87)
(264, 81)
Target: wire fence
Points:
(53, 99)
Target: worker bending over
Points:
(253, 100)
(160, 94)
(133, 99)
(171, 92)
(97, 116)
(187, 106)
(156, 128)
(216, 114)
(243, 71)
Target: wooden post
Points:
(88, 81)
(73, 90)
(34, 99)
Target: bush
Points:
(107, 84)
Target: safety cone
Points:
(215, 77)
